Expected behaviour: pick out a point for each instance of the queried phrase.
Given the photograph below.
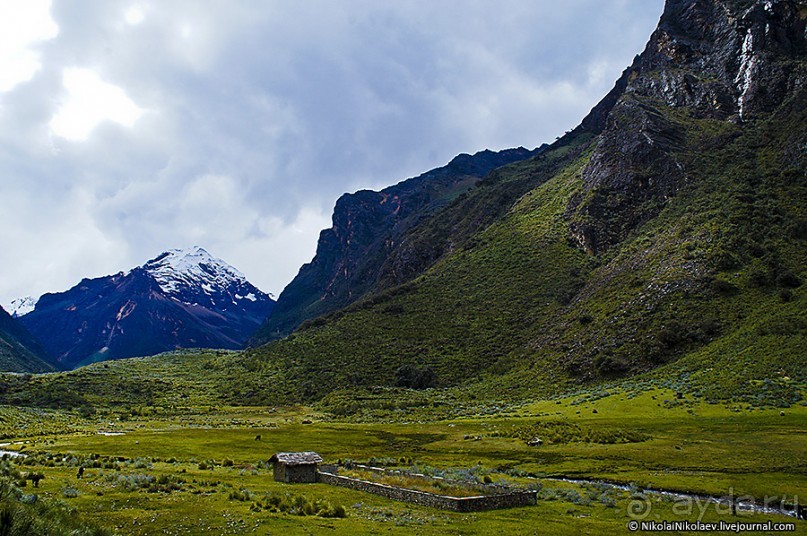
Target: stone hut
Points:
(295, 466)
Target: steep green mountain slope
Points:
(662, 241)
(674, 238)
(19, 351)
(352, 256)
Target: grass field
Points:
(202, 470)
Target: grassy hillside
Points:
(706, 298)
(19, 351)
(353, 256)
(711, 287)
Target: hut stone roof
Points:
(296, 458)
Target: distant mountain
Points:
(19, 351)
(180, 299)
(21, 306)
(354, 256)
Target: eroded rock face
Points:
(633, 171)
(727, 60)
(723, 59)
(353, 255)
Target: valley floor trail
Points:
(743, 503)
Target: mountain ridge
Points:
(19, 350)
(668, 224)
(351, 255)
(181, 298)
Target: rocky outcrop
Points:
(723, 60)
(632, 172)
(352, 256)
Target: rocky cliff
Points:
(666, 232)
(353, 256)
(721, 60)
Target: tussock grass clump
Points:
(288, 503)
(23, 515)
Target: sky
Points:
(130, 128)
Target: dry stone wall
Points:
(456, 504)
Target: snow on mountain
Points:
(21, 306)
(179, 271)
(194, 266)
(183, 298)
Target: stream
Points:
(744, 503)
(10, 453)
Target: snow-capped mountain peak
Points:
(183, 298)
(176, 269)
(21, 306)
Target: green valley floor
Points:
(204, 469)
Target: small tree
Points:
(425, 378)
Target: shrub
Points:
(22, 514)
(142, 463)
(788, 279)
(758, 278)
(611, 365)
(413, 377)
(69, 492)
(786, 295)
(132, 482)
(166, 484)
(721, 286)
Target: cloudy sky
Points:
(131, 127)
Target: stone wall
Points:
(328, 468)
(456, 504)
(382, 471)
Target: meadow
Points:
(204, 470)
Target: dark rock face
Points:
(19, 351)
(633, 171)
(154, 308)
(721, 58)
(352, 256)
(725, 60)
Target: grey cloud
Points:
(290, 104)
